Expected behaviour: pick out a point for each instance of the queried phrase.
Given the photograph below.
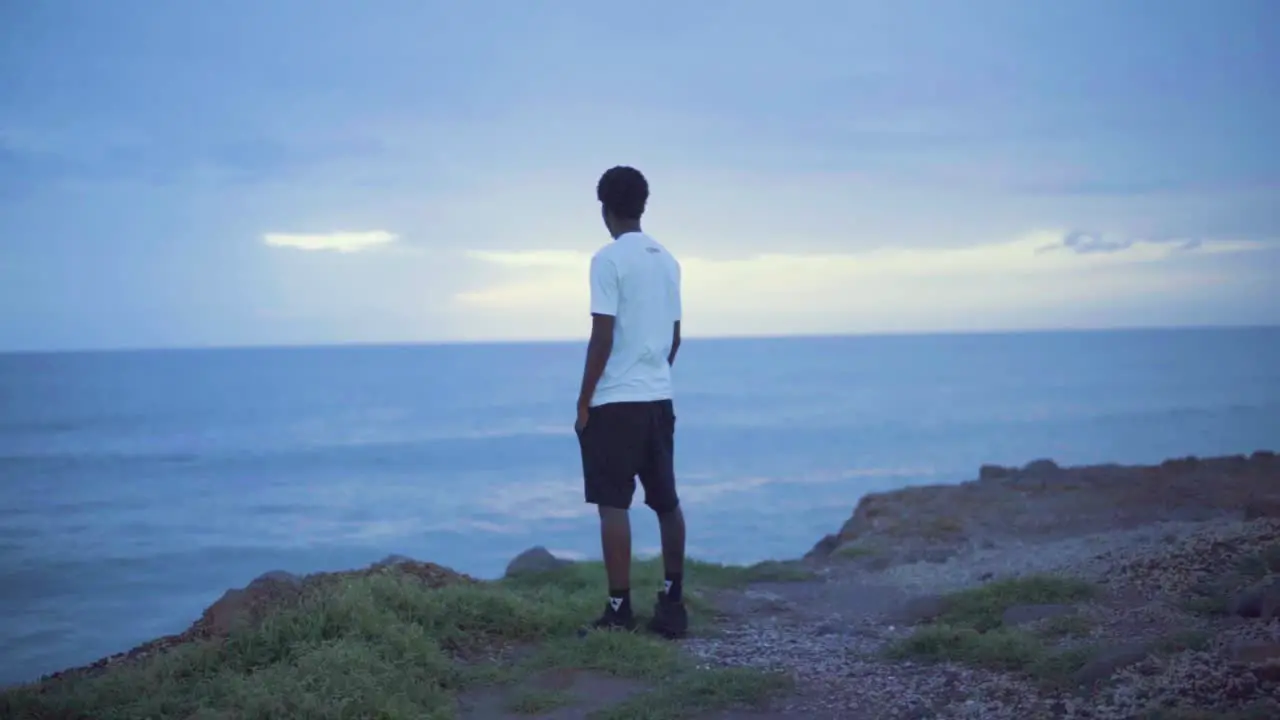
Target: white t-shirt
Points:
(637, 281)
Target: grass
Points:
(853, 551)
(982, 608)
(384, 646)
(971, 630)
(1074, 625)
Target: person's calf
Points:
(615, 541)
(672, 529)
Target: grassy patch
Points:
(1206, 605)
(981, 608)
(1074, 625)
(1001, 649)
(385, 646)
(971, 631)
(1182, 641)
(853, 551)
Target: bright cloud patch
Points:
(342, 242)
(873, 289)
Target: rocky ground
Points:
(1180, 564)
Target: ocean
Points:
(135, 487)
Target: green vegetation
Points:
(982, 608)
(971, 629)
(1182, 641)
(1074, 625)
(853, 551)
(385, 646)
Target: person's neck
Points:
(628, 228)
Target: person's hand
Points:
(581, 423)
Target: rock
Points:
(994, 472)
(392, 561)
(1256, 652)
(1041, 468)
(1026, 614)
(925, 608)
(533, 561)
(1260, 601)
(1107, 661)
(825, 547)
(278, 576)
(239, 606)
(1262, 507)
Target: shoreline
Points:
(1122, 526)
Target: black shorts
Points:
(628, 439)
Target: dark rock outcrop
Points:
(533, 561)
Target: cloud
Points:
(1083, 242)
(342, 242)
(870, 290)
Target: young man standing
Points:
(626, 421)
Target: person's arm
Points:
(598, 349)
(677, 310)
(604, 309)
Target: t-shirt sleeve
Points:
(604, 287)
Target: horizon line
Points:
(214, 347)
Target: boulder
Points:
(1041, 468)
(923, 609)
(1262, 506)
(994, 472)
(239, 606)
(1256, 652)
(824, 547)
(1259, 601)
(533, 561)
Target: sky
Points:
(249, 172)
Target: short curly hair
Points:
(623, 191)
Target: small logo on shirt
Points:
(652, 250)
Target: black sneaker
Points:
(670, 620)
(612, 619)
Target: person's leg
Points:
(658, 477)
(671, 527)
(609, 468)
(615, 541)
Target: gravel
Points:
(840, 672)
